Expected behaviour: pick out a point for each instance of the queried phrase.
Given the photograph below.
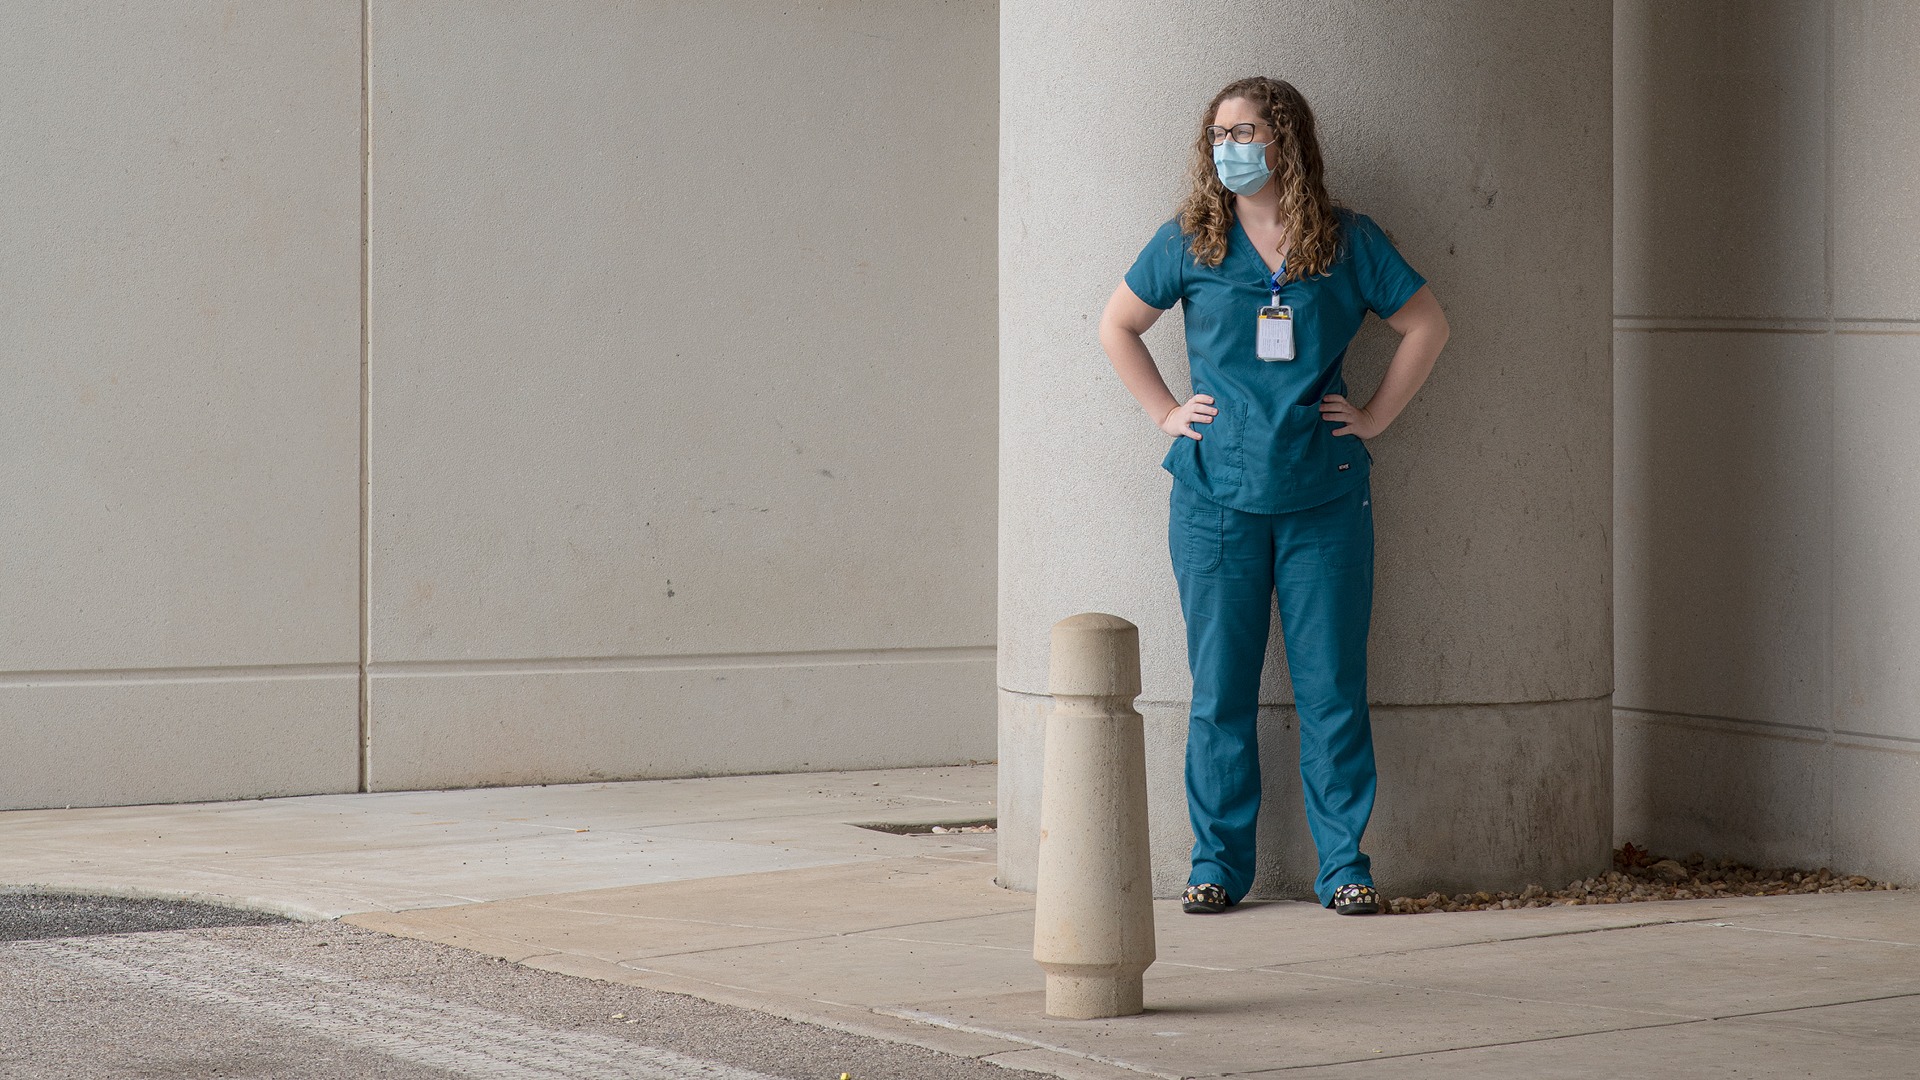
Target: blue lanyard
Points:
(1274, 282)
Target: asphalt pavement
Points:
(32, 916)
(328, 1001)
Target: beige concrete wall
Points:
(179, 401)
(1767, 326)
(1481, 142)
(683, 375)
(681, 393)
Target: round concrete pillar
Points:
(1482, 142)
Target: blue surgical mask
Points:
(1242, 166)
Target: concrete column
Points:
(1481, 141)
(1093, 918)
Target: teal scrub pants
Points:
(1229, 564)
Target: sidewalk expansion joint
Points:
(936, 1020)
(1820, 1005)
(806, 932)
(1804, 934)
(1470, 1046)
(631, 961)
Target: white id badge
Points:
(1274, 338)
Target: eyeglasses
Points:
(1240, 133)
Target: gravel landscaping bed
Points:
(1640, 875)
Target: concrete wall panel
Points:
(1767, 623)
(179, 416)
(1729, 790)
(1723, 584)
(1876, 800)
(469, 729)
(1876, 495)
(682, 344)
(683, 329)
(1720, 163)
(122, 741)
(1876, 160)
(179, 401)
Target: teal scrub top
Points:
(1268, 451)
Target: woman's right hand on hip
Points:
(1197, 409)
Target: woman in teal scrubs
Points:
(1270, 470)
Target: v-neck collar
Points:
(1259, 257)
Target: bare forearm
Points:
(1411, 364)
(1137, 371)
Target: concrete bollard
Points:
(1093, 912)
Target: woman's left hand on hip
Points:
(1357, 419)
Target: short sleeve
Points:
(1157, 275)
(1386, 281)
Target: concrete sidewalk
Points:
(757, 891)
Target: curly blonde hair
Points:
(1206, 215)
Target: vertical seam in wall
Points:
(1833, 688)
(365, 732)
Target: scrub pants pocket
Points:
(1196, 531)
